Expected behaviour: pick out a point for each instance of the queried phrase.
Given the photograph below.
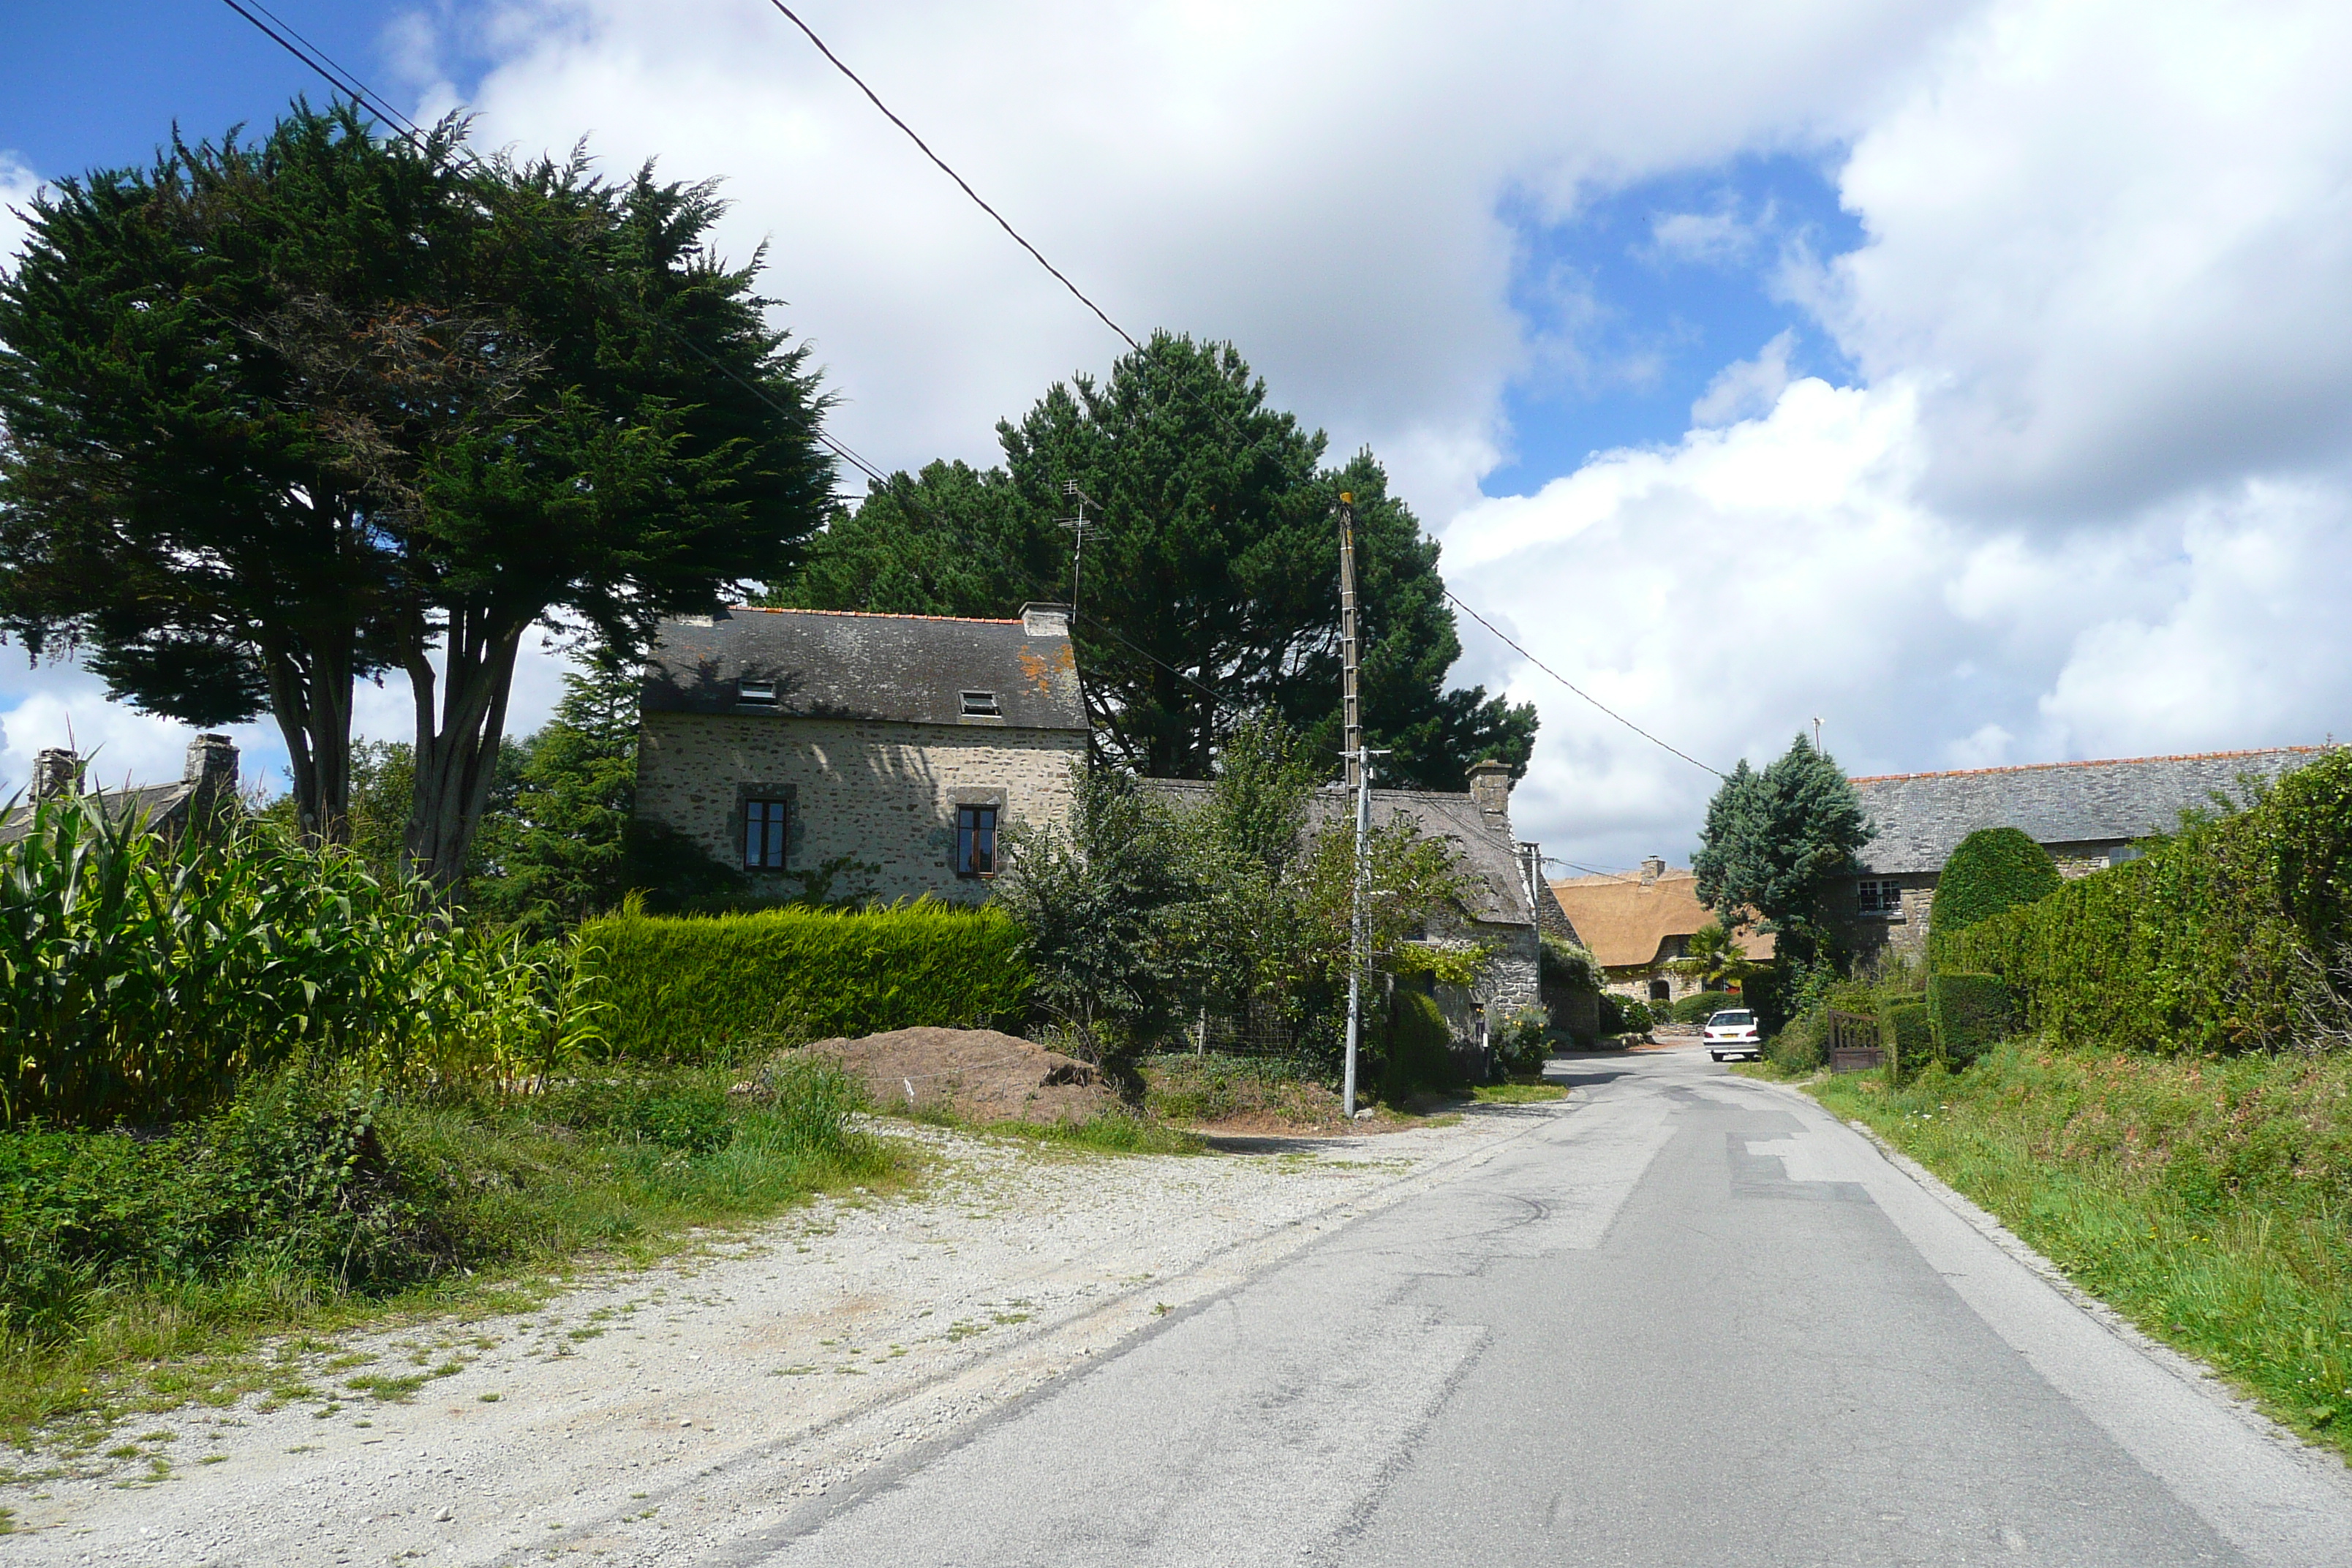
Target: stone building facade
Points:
(779, 741)
(2089, 816)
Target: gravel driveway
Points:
(645, 1416)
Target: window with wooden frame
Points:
(767, 827)
(975, 852)
(1880, 898)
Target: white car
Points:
(1732, 1033)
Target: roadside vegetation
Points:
(2145, 1073)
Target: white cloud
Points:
(1319, 182)
(17, 185)
(62, 706)
(2118, 238)
(1746, 387)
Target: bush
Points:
(1624, 1015)
(1520, 1044)
(697, 988)
(1971, 1015)
(1800, 1045)
(1994, 870)
(2229, 937)
(1563, 963)
(1700, 1005)
(1909, 1036)
(1419, 1048)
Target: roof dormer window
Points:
(982, 705)
(756, 693)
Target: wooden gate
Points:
(1854, 1043)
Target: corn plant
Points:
(141, 977)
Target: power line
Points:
(1578, 689)
(875, 99)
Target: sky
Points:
(1970, 380)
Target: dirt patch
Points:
(975, 1075)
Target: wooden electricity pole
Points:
(1351, 716)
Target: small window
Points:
(975, 841)
(1660, 991)
(981, 704)
(765, 826)
(756, 693)
(1880, 898)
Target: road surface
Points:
(1684, 1318)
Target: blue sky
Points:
(1968, 374)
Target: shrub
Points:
(1972, 1014)
(1797, 1047)
(1564, 965)
(688, 988)
(1520, 1046)
(1994, 870)
(2231, 936)
(1700, 1005)
(1910, 1039)
(1420, 1048)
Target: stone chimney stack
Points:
(211, 773)
(1652, 868)
(1490, 786)
(54, 773)
(1046, 620)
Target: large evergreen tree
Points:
(1778, 846)
(1208, 587)
(282, 415)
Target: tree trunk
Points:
(458, 748)
(310, 697)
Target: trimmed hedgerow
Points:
(2231, 936)
(1910, 1039)
(689, 988)
(1994, 870)
(1972, 1014)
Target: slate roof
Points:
(836, 664)
(1922, 817)
(1496, 895)
(1626, 924)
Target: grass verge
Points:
(1112, 1132)
(205, 1264)
(1517, 1093)
(2207, 1200)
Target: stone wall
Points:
(1906, 932)
(880, 792)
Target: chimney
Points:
(211, 773)
(1046, 620)
(55, 771)
(1490, 786)
(1652, 868)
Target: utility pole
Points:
(1359, 763)
(1076, 525)
(1359, 780)
(1350, 716)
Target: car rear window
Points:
(1733, 1018)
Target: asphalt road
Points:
(1685, 1318)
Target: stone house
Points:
(779, 741)
(206, 789)
(1637, 926)
(2088, 815)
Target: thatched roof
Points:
(1627, 921)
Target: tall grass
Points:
(143, 978)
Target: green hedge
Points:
(2214, 941)
(1972, 1014)
(684, 988)
(1909, 1037)
(1994, 870)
